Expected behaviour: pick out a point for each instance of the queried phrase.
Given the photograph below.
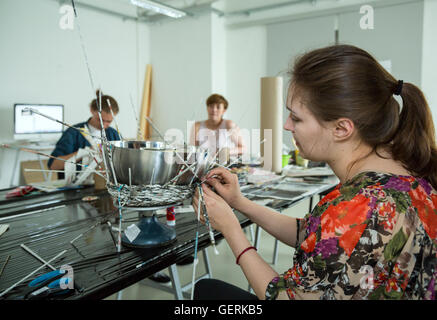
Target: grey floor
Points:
(223, 266)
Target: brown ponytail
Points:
(105, 104)
(346, 81)
(414, 142)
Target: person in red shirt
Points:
(375, 235)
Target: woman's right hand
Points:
(226, 185)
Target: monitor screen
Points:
(33, 123)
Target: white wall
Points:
(397, 36)
(285, 41)
(218, 55)
(193, 58)
(41, 63)
(429, 56)
(246, 64)
(181, 61)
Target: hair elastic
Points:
(398, 89)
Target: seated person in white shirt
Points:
(216, 134)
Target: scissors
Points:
(48, 285)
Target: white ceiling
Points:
(229, 6)
(241, 12)
(124, 7)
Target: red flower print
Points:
(404, 284)
(294, 273)
(375, 186)
(380, 279)
(427, 210)
(330, 196)
(391, 285)
(336, 220)
(387, 214)
(350, 238)
(310, 243)
(397, 271)
(291, 294)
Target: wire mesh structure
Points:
(149, 195)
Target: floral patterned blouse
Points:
(375, 237)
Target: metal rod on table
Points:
(62, 171)
(205, 213)
(4, 265)
(31, 274)
(153, 175)
(110, 232)
(181, 173)
(27, 109)
(86, 231)
(105, 140)
(37, 256)
(139, 133)
(113, 116)
(162, 137)
(7, 146)
(130, 178)
(195, 250)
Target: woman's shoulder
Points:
(373, 187)
(384, 194)
(392, 183)
(230, 124)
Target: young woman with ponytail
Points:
(375, 235)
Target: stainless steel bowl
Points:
(154, 162)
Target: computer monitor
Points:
(34, 127)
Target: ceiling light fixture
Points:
(159, 8)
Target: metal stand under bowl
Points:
(152, 232)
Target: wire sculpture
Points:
(128, 196)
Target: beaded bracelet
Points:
(245, 250)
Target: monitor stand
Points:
(153, 233)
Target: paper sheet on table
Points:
(287, 189)
(298, 171)
(50, 186)
(260, 176)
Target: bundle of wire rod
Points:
(91, 248)
(149, 195)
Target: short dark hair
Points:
(106, 106)
(217, 98)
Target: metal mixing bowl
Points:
(154, 162)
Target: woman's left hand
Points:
(221, 216)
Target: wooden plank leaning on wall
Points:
(145, 105)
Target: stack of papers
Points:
(298, 171)
(53, 185)
(260, 176)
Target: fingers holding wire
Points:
(198, 208)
